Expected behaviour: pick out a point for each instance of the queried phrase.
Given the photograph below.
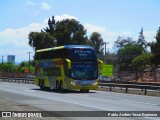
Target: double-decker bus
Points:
(67, 67)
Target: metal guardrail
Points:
(18, 80)
(126, 86)
(137, 83)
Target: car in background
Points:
(104, 78)
(30, 76)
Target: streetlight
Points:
(29, 60)
(105, 43)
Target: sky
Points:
(111, 18)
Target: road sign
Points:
(107, 70)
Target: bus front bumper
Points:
(84, 84)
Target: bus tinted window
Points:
(53, 71)
(61, 53)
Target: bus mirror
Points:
(100, 64)
(69, 63)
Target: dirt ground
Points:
(8, 105)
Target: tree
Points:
(51, 26)
(141, 40)
(123, 41)
(142, 62)
(127, 53)
(40, 40)
(25, 66)
(97, 43)
(8, 68)
(155, 49)
(130, 50)
(70, 31)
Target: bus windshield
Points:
(87, 70)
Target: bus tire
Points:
(61, 87)
(81, 90)
(57, 86)
(42, 84)
(87, 91)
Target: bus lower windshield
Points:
(85, 70)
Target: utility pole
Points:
(29, 60)
(105, 43)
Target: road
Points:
(29, 94)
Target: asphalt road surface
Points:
(29, 94)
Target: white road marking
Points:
(139, 102)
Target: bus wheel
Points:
(61, 87)
(86, 91)
(57, 86)
(42, 84)
(81, 90)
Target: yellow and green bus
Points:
(67, 67)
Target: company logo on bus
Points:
(82, 51)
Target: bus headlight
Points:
(73, 83)
(95, 83)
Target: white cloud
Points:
(107, 36)
(149, 36)
(111, 36)
(31, 3)
(15, 41)
(64, 16)
(94, 28)
(18, 36)
(45, 6)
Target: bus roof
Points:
(77, 46)
(65, 47)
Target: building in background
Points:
(11, 59)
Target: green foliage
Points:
(155, 49)
(123, 41)
(40, 40)
(70, 32)
(126, 55)
(25, 66)
(8, 68)
(130, 50)
(142, 61)
(97, 43)
(64, 32)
